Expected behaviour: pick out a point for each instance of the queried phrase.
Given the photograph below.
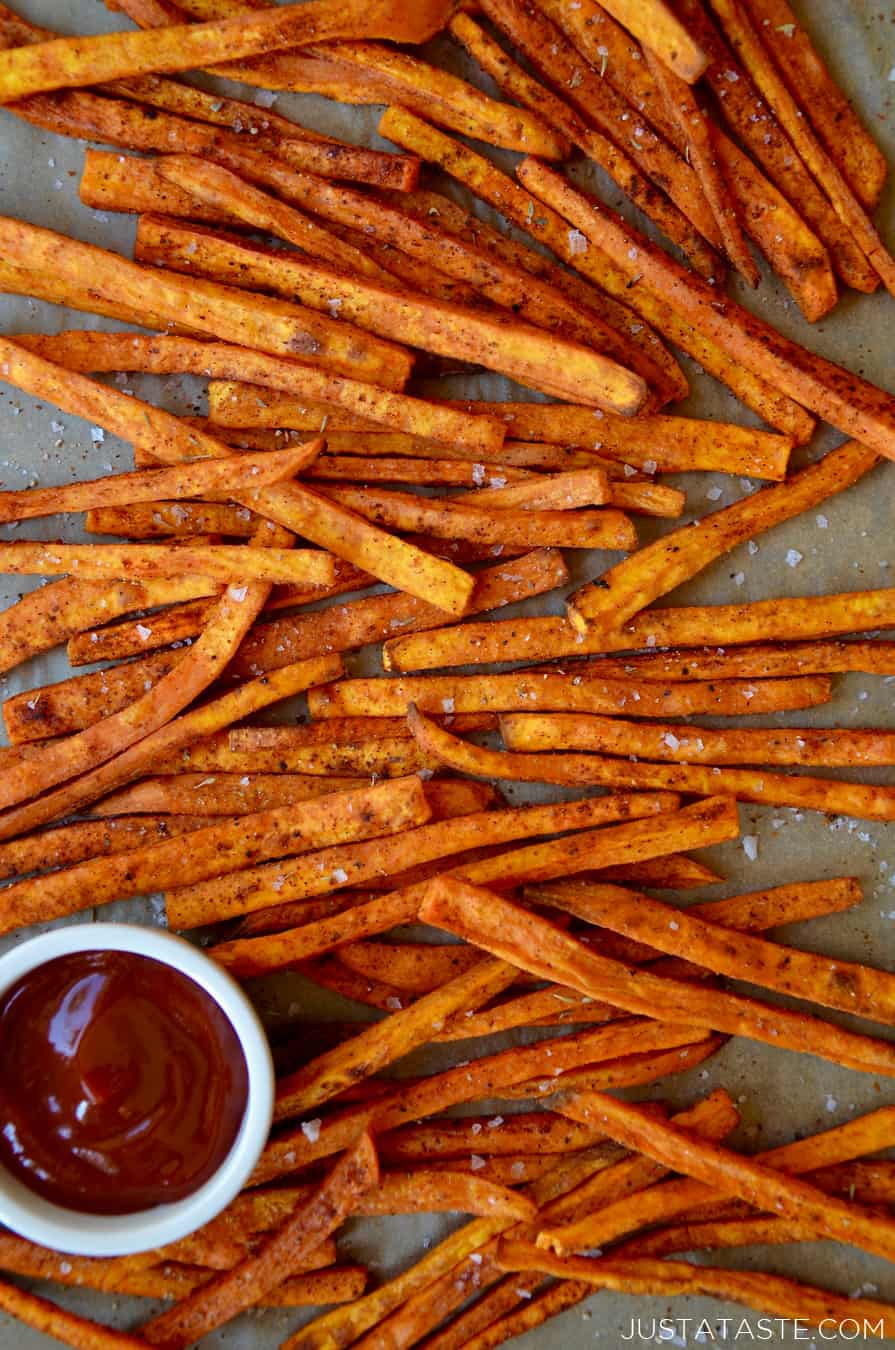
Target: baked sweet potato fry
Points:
(705, 823)
(191, 726)
(228, 846)
(70, 62)
(847, 401)
(873, 656)
(292, 505)
(746, 41)
(533, 944)
(658, 568)
(222, 563)
(519, 691)
(72, 705)
(862, 800)
(47, 1319)
(497, 341)
(774, 1294)
(779, 620)
(190, 906)
(847, 141)
(483, 178)
(70, 844)
(280, 1254)
(92, 352)
(655, 24)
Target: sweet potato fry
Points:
(589, 117)
(844, 985)
(337, 1284)
(70, 844)
(234, 1291)
(183, 730)
(383, 1042)
(229, 845)
(236, 316)
(760, 1183)
(178, 520)
(224, 564)
(498, 693)
(534, 944)
(359, 469)
(49, 1320)
(189, 906)
(833, 748)
(600, 529)
(563, 492)
(497, 341)
(760, 661)
(658, 568)
(748, 44)
(292, 505)
(44, 618)
(192, 480)
(70, 62)
(91, 352)
(847, 141)
(425, 1190)
(547, 226)
(772, 1294)
(702, 824)
(780, 620)
(862, 800)
(655, 24)
(72, 705)
(847, 401)
(381, 756)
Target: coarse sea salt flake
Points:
(311, 1129)
(750, 846)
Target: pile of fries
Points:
(310, 282)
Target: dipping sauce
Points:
(122, 1083)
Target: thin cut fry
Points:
(760, 661)
(72, 705)
(658, 568)
(845, 400)
(190, 906)
(234, 1291)
(69, 62)
(496, 341)
(47, 1319)
(224, 564)
(520, 692)
(528, 214)
(654, 23)
(70, 844)
(533, 944)
(134, 761)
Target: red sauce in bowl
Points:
(122, 1082)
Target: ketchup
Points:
(122, 1083)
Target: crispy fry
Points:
(292, 505)
(497, 693)
(658, 568)
(130, 764)
(47, 1319)
(360, 622)
(497, 341)
(383, 1042)
(337, 1284)
(761, 661)
(847, 141)
(234, 1291)
(535, 945)
(549, 638)
(429, 472)
(759, 1183)
(192, 480)
(694, 127)
(755, 1289)
(704, 823)
(847, 401)
(70, 844)
(563, 492)
(236, 316)
(67, 63)
(746, 42)
(90, 352)
(421, 1191)
(863, 800)
(833, 748)
(528, 214)
(192, 905)
(75, 704)
(600, 529)
(216, 849)
(655, 24)
(382, 756)
(674, 872)
(221, 562)
(44, 618)
(591, 121)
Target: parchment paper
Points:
(848, 544)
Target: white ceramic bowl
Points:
(70, 1231)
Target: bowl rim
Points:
(76, 1233)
